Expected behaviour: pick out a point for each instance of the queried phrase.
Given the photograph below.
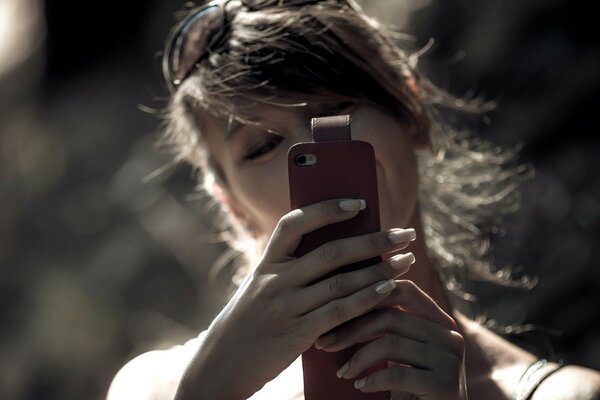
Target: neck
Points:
(425, 274)
(488, 358)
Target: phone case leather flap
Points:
(325, 129)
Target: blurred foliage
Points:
(101, 259)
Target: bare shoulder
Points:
(496, 365)
(153, 375)
(570, 383)
(140, 378)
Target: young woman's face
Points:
(254, 161)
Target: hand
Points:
(411, 330)
(279, 311)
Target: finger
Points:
(290, 228)
(338, 311)
(421, 383)
(397, 349)
(337, 253)
(392, 320)
(344, 284)
(409, 297)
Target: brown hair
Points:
(289, 53)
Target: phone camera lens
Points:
(306, 160)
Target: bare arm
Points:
(570, 383)
(280, 310)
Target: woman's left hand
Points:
(413, 332)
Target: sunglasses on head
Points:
(190, 40)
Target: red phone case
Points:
(344, 168)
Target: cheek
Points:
(401, 198)
(397, 179)
(264, 192)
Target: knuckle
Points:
(337, 285)
(290, 221)
(397, 375)
(299, 333)
(268, 287)
(298, 327)
(392, 343)
(276, 309)
(338, 311)
(325, 208)
(382, 271)
(408, 289)
(377, 241)
(409, 286)
(329, 252)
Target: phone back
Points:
(343, 169)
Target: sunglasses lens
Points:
(191, 41)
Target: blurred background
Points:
(104, 250)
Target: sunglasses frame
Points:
(175, 40)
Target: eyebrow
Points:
(235, 127)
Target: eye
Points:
(264, 147)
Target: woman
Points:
(246, 77)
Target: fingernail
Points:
(385, 286)
(359, 384)
(353, 204)
(402, 235)
(342, 371)
(325, 341)
(401, 261)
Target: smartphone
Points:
(334, 166)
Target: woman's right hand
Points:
(279, 312)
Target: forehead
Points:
(262, 116)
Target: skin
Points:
(276, 314)
(257, 189)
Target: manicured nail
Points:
(402, 235)
(385, 286)
(359, 384)
(342, 371)
(325, 341)
(353, 204)
(402, 261)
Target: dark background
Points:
(100, 260)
